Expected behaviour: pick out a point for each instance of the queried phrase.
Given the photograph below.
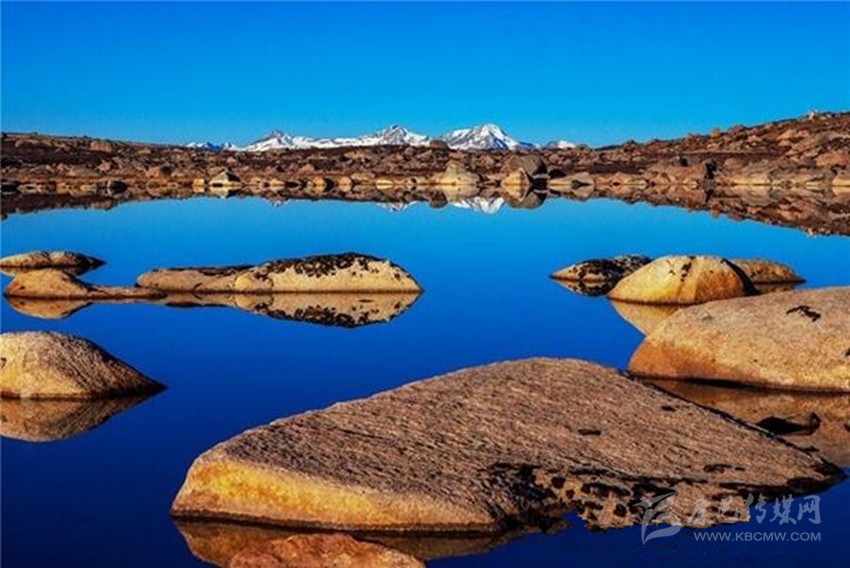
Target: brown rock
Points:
(683, 280)
(788, 340)
(53, 365)
(488, 448)
(72, 262)
(55, 284)
(322, 551)
(602, 269)
(761, 271)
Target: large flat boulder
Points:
(347, 272)
(72, 262)
(55, 284)
(787, 340)
(35, 364)
(489, 449)
(683, 280)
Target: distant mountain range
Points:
(481, 137)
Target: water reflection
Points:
(644, 317)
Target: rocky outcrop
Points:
(761, 271)
(333, 550)
(54, 284)
(490, 449)
(71, 262)
(56, 366)
(787, 340)
(347, 272)
(610, 270)
(683, 280)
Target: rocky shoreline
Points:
(792, 172)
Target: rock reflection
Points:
(53, 420)
(586, 288)
(644, 317)
(819, 421)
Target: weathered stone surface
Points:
(789, 340)
(761, 271)
(809, 420)
(52, 420)
(347, 272)
(72, 262)
(37, 364)
(332, 550)
(51, 283)
(683, 280)
(602, 269)
(489, 449)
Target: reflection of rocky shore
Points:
(51, 420)
(792, 172)
(813, 420)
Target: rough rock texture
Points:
(37, 364)
(683, 280)
(348, 272)
(52, 420)
(809, 420)
(602, 269)
(761, 271)
(789, 340)
(333, 550)
(490, 449)
(72, 262)
(54, 284)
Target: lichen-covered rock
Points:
(683, 280)
(332, 550)
(602, 269)
(51, 283)
(491, 448)
(787, 340)
(347, 272)
(72, 262)
(36, 364)
(761, 271)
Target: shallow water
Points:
(101, 497)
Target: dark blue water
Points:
(102, 498)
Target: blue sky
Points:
(595, 73)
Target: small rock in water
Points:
(35, 364)
(787, 340)
(683, 280)
(609, 270)
(71, 262)
(333, 550)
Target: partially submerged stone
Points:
(809, 420)
(489, 449)
(787, 340)
(53, 420)
(761, 271)
(55, 284)
(602, 269)
(333, 550)
(347, 272)
(35, 364)
(71, 262)
(683, 280)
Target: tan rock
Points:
(683, 280)
(516, 184)
(761, 271)
(72, 262)
(332, 550)
(602, 269)
(348, 272)
(55, 284)
(491, 447)
(787, 340)
(53, 365)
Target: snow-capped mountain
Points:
(212, 146)
(482, 137)
(560, 145)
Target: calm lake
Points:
(101, 497)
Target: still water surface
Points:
(101, 498)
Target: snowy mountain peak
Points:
(487, 136)
(559, 144)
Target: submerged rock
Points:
(609, 270)
(53, 420)
(331, 550)
(789, 340)
(683, 280)
(71, 262)
(58, 285)
(761, 271)
(491, 449)
(37, 364)
(347, 272)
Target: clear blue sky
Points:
(594, 73)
